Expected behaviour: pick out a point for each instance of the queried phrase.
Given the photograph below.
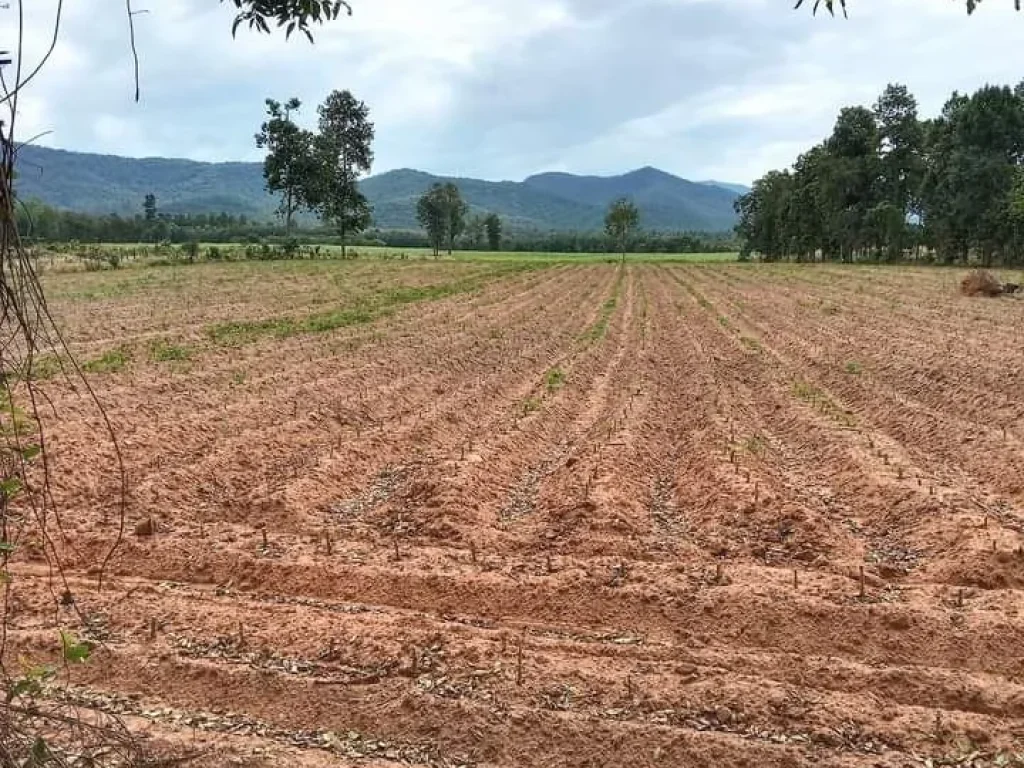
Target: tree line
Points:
(889, 186)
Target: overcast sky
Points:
(498, 89)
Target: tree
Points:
(441, 211)
(475, 231)
(901, 166)
(432, 216)
(829, 5)
(149, 207)
(341, 154)
(455, 210)
(885, 181)
(620, 221)
(493, 225)
(851, 182)
(298, 15)
(289, 166)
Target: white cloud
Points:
(502, 88)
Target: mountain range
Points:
(103, 184)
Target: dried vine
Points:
(36, 728)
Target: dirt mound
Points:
(980, 282)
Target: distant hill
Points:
(549, 201)
(739, 189)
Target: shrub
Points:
(290, 248)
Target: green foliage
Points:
(474, 233)
(289, 167)
(341, 154)
(191, 249)
(44, 367)
(886, 186)
(365, 310)
(111, 361)
(620, 221)
(149, 207)
(293, 15)
(554, 379)
(73, 650)
(530, 405)
(492, 223)
(30, 683)
(600, 328)
(162, 351)
(441, 211)
(432, 217)
(853, 368)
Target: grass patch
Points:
(364, 310)
(111, 361)
(530, 405)
(600, 328)
(751, 343)
(854, 368)
(755, 444)
(807, 391)
(554, 379)
(43, 367)
(162, 351)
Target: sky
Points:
(501, 89)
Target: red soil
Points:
(771, 517)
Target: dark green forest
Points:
(889, 186)
(44, 224)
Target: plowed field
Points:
(483, 514)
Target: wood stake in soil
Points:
(718, 573)
(519, 662)
(794, 579)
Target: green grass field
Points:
(425, 253)
(391, 253)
